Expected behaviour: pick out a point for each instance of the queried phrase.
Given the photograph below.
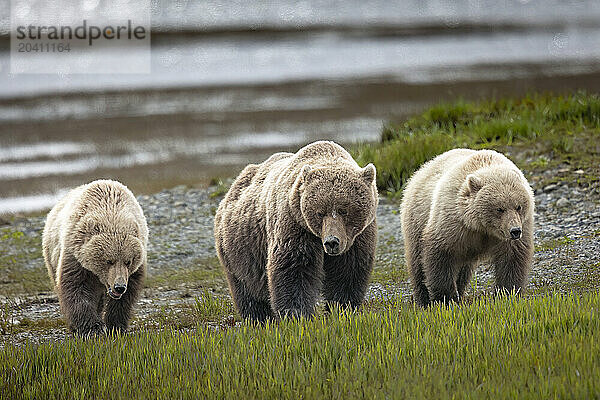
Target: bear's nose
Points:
(515, 232)
(120, 288)
(332, 244)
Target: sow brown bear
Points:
(295, 227)
(94, 246)
(459, 208)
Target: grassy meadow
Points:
(545, 130)
(510, 347)
(539, 345)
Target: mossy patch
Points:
(553, 244)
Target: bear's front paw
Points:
(116, 329)
(294, 313)
(94, 330)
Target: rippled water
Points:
(230, 85)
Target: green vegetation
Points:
(39, 326)
(22, 267)
(510, 347)
(554, 129)
(554, 244)
(220, 187)
(208, 309)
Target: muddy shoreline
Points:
(197, 134)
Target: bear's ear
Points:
(137, 229)
(305, 172)
(473, 184)
(368, 173)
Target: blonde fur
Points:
(458, 209)
(94, 240)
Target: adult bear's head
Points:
(337, 203)
(111, 249)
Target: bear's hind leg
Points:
(248, 305)
(118, 312)
(347, 275)
(420, 291)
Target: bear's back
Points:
(322, 152)
(114, 205)
(253, 177)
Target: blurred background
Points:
(234, 81)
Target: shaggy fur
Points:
(459, 208)
(296, 226)
(94, 246)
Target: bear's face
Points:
(498, 203)
(337, 204)
(112, 254)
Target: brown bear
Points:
(295, 227)
(459, 208)
(94, 244)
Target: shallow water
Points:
(231, 86)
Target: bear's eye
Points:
(500, 210)
(343, 212)
(110, 262)
(518, 208)
(321, 215)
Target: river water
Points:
(229, 85)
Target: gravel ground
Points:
(181, 233)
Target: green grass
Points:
(556, 129)
(22, 267)
(207, 308)
(544, 347)
(221, 187)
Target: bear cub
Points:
(458, 209)
(296, 227)
(94, 245)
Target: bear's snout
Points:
(332, 245)
(120, 288)
(515, 232)
(117, 290)
(333, 235)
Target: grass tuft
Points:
(565, 126)
(207, 308)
